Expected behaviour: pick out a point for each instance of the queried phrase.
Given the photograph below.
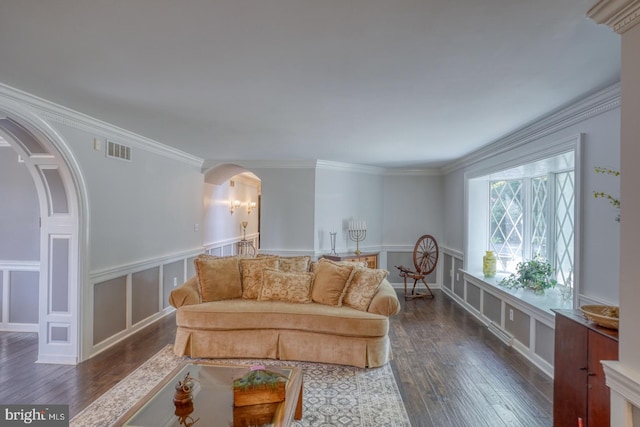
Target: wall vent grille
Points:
(504, 336)
(118, 151)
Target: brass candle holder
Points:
(357, 233)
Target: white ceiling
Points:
(391, 83)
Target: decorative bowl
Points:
(602, 315)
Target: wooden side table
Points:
(370, 258)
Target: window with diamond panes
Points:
(520, 226)
(564, 208)
(507, 222)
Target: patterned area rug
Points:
(334, 395)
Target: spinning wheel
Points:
(425, 257)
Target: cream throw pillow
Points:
(289, 287)
(218, 278)
(329, 281)
(363, 286)
(252, 274)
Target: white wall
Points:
(138, 210)
(453, 231)
(287, 208)
(19, 210)
(413, 206)
(344, 194)
(630, 202)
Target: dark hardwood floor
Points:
(451, 371)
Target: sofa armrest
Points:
(385, 301)
(185, 294)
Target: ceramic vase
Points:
(489, 264)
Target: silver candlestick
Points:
(333, 235)
(357, 233)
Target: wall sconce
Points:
(234, 205)
(251, 206)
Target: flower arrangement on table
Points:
(259, 386)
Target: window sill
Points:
(545, 303)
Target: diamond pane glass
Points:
(539, 217)
(506, 222)
(564, 228)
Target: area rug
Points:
(333, 395)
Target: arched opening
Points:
(60, 193)
(232, 202)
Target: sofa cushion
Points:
(280, 286)
(362, 287)
(294, 264)
(252, 274)
(329, 282)
(290, 264)
(218, 278)
(243, 314)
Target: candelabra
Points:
(357, 233)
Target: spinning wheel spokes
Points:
(425, 254)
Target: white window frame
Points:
(476, 220)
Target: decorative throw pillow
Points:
(218, 278)
(295, 264)
(252, 274)
(329, 281)
(356, 264)
(362, 287)
(290, 287)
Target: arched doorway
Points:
(63, 210)
(232, 210)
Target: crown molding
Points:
(57, 113)
(263, 164)
(591, 106)
(619, 15)
(348, 167)
(321, 165)
(414, 172)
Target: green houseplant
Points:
(535, 274)
(615, 202)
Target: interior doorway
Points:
(62, 211)
(232, 209)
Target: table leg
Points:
(298, 413)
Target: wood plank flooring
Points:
(451, 371)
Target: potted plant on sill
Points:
(535, 274)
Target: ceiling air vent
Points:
(118, 151)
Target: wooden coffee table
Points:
(212, 402)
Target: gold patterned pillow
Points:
(295, 264)
(356, 264)
(252, 274)
(290, 287)
(362, 287)
(329, 281)
(218, 278)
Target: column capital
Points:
(620, 15)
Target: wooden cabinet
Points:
(371, 258)
(579, 389)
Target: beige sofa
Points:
(253, 328)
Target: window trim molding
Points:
(519, 156)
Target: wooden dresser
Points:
(579, 389)
(370, 258)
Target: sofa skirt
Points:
(306, 346)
